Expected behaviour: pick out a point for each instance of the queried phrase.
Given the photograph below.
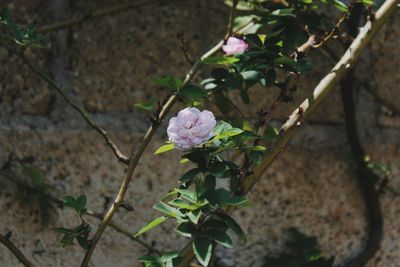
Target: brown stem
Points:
(95, 14)
(120, 156)
(365, 176)
(14, 250)
(289, 129)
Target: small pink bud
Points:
(234, 46)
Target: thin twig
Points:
(289, 129)
(120, 156)
(135, 157)
(95, 14)
(182, 45)
(5, 240)
(229, 31)
(334, 30)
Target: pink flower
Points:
(234, 46)
(191, 128)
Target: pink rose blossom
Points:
(234, 46)
(191, 128)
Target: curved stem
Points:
(120, 156)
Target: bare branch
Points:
(95, 14)
(5, 240)
(120, 156)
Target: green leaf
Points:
(81, 203)
(150, 225)
(219, 236)
(284, 12)
(165, 208)
(187, 195)
(164, 148)
(251, 75)
(220, 73)
(367, 2)
(148, 259)
(258, 148)
(69, 201)
(190, 175)
(269, 78)
(255, 157)
(202, 158)
(169, 82)
(235, 201)
(169, 256)
(194, 216)
(220, 60)
(191, 93)
(148, 106)
(83, 242)
(285, 61)
(182, 204)
(186, 229)
(219, 169)
(63, 230)
(270, 134)
(224, 130)
(253, 39)
(216, 224)
(233, 225)
(202, 248)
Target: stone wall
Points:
(105, 64)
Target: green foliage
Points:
(302, 251)
(20, 35)
(78, 204)
(168, 82)
(270, 134)
(80, 233)
(147, 106)
(150, 225)
(220, 60)
(168, 259)
(164, 148)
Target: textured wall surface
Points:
(105, 64)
